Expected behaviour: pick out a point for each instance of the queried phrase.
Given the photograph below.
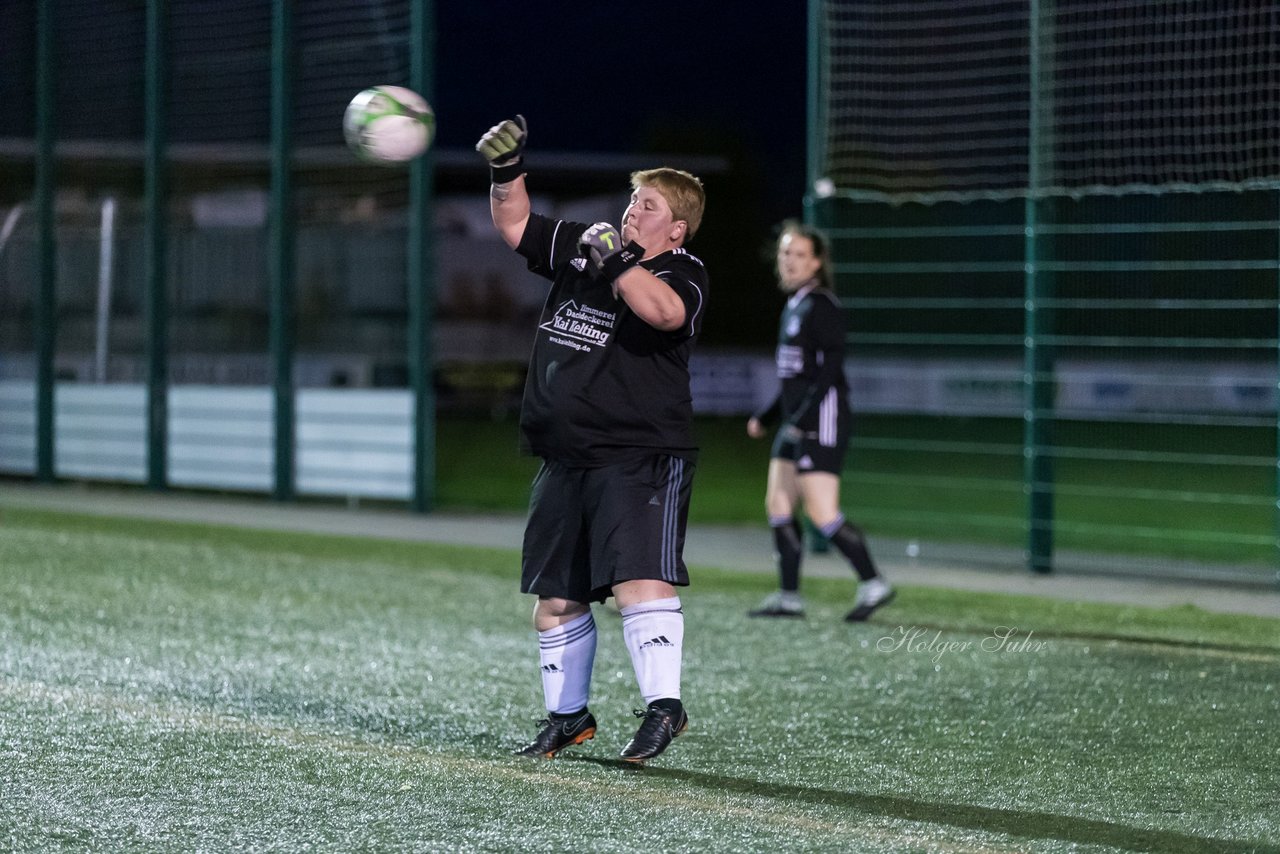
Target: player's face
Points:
(648, 221)
(797, 262)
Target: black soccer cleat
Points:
(660, 725)
(559, 732)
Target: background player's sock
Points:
(848, 538)
(788, 544)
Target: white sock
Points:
(654, 632)
(567, 653)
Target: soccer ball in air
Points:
(388, 124)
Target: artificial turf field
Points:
(177, 687)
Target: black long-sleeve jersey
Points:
(810, 359)
(603, 385)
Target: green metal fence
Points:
(252, 111)
(1085, 363)
(1142, 366)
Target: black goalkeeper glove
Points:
(503, 147)
(602, 246)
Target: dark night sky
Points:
(704, 77)
(696, 78)
(609, 77)
(699, 77)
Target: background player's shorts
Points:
(589, 529)
(809, 454)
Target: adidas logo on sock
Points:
(660, 640)
(551, 668)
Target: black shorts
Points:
(810, 453)
(589, 529)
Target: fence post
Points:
(45, 318)
(816, 134)
(1038, 385)
(282, 245)
(1038, 400)
(421, 270)
(156, 243)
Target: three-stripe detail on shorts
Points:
(671, 519)
(829, 418)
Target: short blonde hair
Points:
(682, 191)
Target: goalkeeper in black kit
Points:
(608, 410)
(809, 448)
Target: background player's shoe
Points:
(660, 725)
(871, 595)
(559, 732)
(782, 603)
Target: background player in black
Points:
(608, 409)
(808, 453)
